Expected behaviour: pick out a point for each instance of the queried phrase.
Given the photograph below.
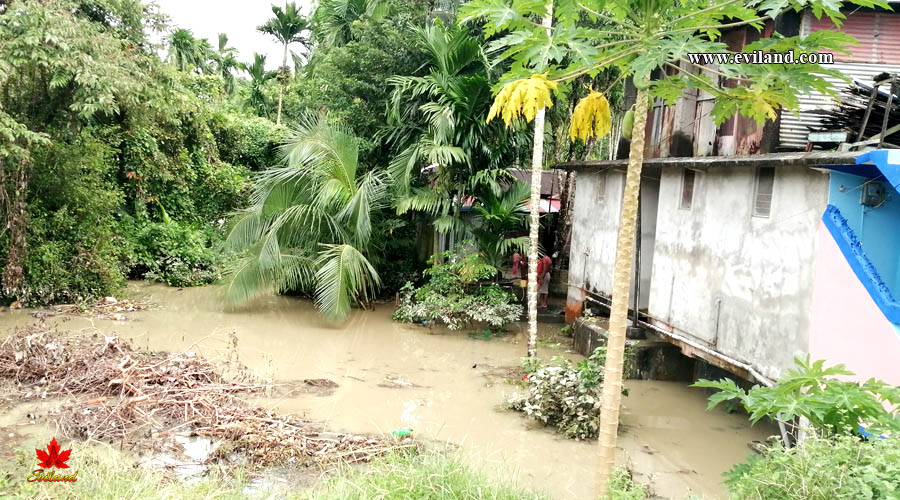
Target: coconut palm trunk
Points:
(618, 318)
(537, 169)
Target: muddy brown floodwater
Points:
(391, 375)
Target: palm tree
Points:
(438, 119)
(333, 19)
(184, 50)
(310, 223)
(259, 76)
(498, 217)
(227, 62)
(287, 27)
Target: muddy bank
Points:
(390, 375)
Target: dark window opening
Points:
(765, 186)
(687, 189)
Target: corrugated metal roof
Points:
(550, 180)
(794, 130)
(813, 159)
(878, 34)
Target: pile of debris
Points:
(143, 400)
(109, 308)
(854, 110)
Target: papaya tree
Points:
(649, 41)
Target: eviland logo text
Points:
(52, 458)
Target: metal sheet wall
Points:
(878, 35)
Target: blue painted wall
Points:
(877, 229)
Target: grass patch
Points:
(106, 474)
(425, 476)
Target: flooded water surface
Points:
(446, 386)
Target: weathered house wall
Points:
(594, 230)
(741, 284)
(715, 273)
(595, 233)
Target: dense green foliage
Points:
(499, 222)
(114, 164)
(453, 295)
(118, 163)
(174, 253)
(833, 461)
(832, 406)
(839, 468)
(349, 80)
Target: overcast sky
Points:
(236, 18)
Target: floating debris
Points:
(108, 308)
(397, 382)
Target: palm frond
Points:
(443, 154)
(507, 246)
(253, 275)
(309, 222)
(496, 181)
(424, 200)
(344, 277)
(246, 228)
(325, 148)
(447, 224)
(403, 166)
(368, 198)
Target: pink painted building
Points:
(855, 316)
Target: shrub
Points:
(839, 468)
(564, 395)
(832, 406)
(247, 140)
(453, 296)
(622, 487)
(558, 397)
(173, 253)
(71, 254)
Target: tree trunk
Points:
(13, 275)
(618, 318)
(537, 169)
(281, 84)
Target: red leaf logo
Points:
(53, 457)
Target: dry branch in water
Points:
(142, 399)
